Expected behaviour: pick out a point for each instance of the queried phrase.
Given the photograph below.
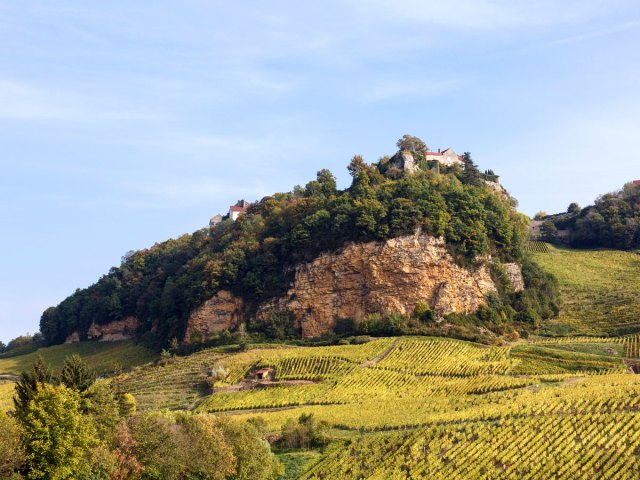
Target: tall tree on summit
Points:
(413, 144)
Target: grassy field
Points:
(6, 394)
(103, 357)
(421, 407)
(599, 291)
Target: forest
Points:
(254, 256)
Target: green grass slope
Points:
(599, 291)
(104, 357)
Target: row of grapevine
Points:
(446, 357)
(562, 447)
(538, 247)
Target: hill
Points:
(599, 291)
(613, 221)
(237, 275)
(104, 357)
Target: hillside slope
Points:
(252, 261)
(599, 291)
(421, 407)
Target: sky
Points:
(123, 124)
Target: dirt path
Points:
(381, 356)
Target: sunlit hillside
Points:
(411, 407)
(599, 291)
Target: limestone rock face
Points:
(381, 277)
(114, 331)
(223, 311)
(404, 160)
(73, 337)
(515, 275)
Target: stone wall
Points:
(381, 277)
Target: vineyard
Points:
(423, 407)
(538, 247)
(561, 404)
(599, 291)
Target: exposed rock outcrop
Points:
(381, 277)
(515, 275)
(404, 161)
(223, 311)
(114, 331)
(73, 337)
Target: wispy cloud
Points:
(25, 101)
(603, 32)
(458, 15)
(394, 88)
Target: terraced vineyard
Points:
(422, 407)
(539, 247)
(599, 291)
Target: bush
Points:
(345, 326)
(422, 312)
(306, 433)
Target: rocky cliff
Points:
(223, 311)
(381, 277)
(113, 331)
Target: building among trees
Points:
(446, 157)
(235, 211)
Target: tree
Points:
(470, 175)
(539, 215)
(253, 454)
(57, 437)
(206, 452)
(29, 383)
(411, 143)
(127, 466)
(154, 446)
(11, 451)
(100, 403)
(76, 374)
(307, 432)
(549, 231)
(127, 404)
(574, 208)
(3, 347)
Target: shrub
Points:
(422, 312)
(306, 433)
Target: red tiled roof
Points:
(436, 154)
(235, 208)
(262, 370)
(636, 183)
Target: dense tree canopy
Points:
(612, 222)
(253, 256)
(81, 432)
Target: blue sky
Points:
(126, 123)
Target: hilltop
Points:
(613, 221)
(424, 215)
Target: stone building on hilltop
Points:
(405, 160)
(446, 157)
(238, 209)
(235, 211)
